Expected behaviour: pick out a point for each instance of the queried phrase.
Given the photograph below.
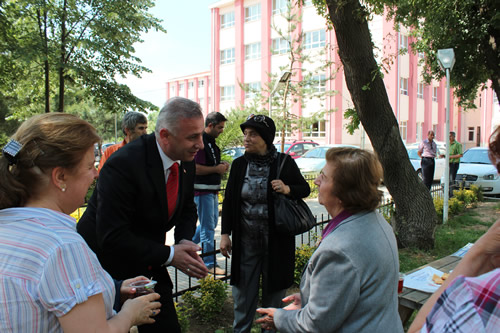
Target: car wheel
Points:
(419, 174)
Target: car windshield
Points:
(476, 156)
(413, 154)
(316, 153)
(278, 146)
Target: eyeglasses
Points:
(258, 119)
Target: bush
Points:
(208, 304)
(468, 197)
(478, 191)
(302, 255)
(183, 315)
(455, 206)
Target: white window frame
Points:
(403, 41)
(252, 13)
(316, 130)
(403, 86)
(201, 83)
(403, 130)
(420, 90)
(471, 132)
(227, 20)
(181, 87)
(314, 39)
(280, 46)
(280, 6)
(435, 94)
(227, 56)
(227, 93)
(252, 51)
(252, 89)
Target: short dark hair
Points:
(131, 119)
(453, 133)
(357, 175)
(214, 118)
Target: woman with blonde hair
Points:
(50, 280)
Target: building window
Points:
(403, 86)
(418, 134)
(190, 85)
(252, 89)
(318, 83)
(403, 41)
(308, 3)
(280, 6)
(201, 83)
(181, 86)
(314, 39)
(172, 89)
(495, 98)
(227, 56)
(402, 130)
(316, 130)
(420, 90)
(435, 94)
(227, 20)
(252, 51)
(252, 13)
(227, 93)
(280, 46)
(470, 131)
(202, 100)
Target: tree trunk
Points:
(42, 27)
(62, 57)
(415, 214)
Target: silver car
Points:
(312, 162)
(415, 161)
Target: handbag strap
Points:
(280, 165)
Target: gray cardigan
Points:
(350, 282)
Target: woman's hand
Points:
(142, 309)
(267, 322)
(280, 187)
(127, 292)
(225, 245)
(297, 302)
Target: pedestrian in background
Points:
(455, 154)
(209, 171)
(428, 151)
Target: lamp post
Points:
(285, 76)
(446, 60)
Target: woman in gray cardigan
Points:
(350, 282)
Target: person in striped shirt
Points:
(50, 280)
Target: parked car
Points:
(415, 161)
(314, 160)
(440, 145)
(234, 152)
(296, 149)
(476, 169)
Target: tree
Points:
(470, 27)
(81, 43)
(415, 216)
(310, 70)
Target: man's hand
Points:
(222, 167)
(267, 322)
(187, 259)
(225, 245)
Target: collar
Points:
(165, 160)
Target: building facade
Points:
(247, 46)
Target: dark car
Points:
(296, 148)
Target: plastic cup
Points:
(400, 282)
(143, 287)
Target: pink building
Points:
(246, 48)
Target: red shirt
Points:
(108, 152)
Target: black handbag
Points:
(291, 216)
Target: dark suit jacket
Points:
(127, 217)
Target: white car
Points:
(313, 161)
(415, 161)
(477, 169)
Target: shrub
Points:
(455, 206)
(468, 197)
(211, 298)
(438, 206)
(302, 255)
(478, 191)
(183, 315)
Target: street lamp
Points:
(285, 76)
(446, 60)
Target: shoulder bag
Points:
(291, 216)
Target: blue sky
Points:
(183, 50)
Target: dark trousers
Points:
(166, 320)
(453, 171)
(428, 166)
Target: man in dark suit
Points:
(128, 216)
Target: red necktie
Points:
(172, 188)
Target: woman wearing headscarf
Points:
(350, 282)
(248, 218)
